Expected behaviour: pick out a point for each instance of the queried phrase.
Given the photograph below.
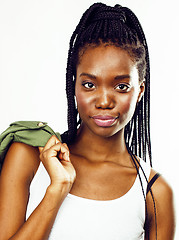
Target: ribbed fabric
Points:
(85, 219)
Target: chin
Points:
(108, 132)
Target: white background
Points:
(34, 38)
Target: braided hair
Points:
(118, 26)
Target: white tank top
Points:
(85, 219)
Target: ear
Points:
(141, 90)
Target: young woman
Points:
(99, 186)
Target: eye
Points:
(122, 87)
(88, 85)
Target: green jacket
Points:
(33, 133)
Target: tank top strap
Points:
(152, 181)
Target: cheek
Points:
(83, 102)
(128, 103)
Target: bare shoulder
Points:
(160, 208)
(161, 187)
(20, 164)
(21, 161)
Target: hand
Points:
(55, 156)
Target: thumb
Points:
(40, 149)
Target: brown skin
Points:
(14, 189)
(107, 84)
(103, 148)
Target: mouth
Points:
(104, 120)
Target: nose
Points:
(105, 99)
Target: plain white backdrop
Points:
(34, 40)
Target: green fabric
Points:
(33, 133)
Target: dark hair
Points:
(120, 27)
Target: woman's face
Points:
(107, 89)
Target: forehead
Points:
(105, 59)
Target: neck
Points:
(97, 148)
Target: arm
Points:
(163, 196)
(18, 170)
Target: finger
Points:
(64, 152)
(64, 156)
(52, 141)
(57, 150)
(68, 151)
(66, 145)
(40, 149)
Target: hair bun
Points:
(104, 12)
(109, 15)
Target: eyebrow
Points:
(118, 77)
(121, 77)
(88, 75)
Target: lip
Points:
(104, 120)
